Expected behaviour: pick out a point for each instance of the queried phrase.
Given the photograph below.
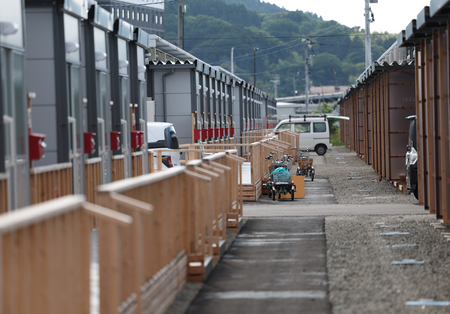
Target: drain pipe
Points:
(165, 75)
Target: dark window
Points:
(319, 127)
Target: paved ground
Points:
(276, 263)
(274, 266)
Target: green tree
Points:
(332, 123)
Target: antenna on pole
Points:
(368, 14)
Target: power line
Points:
(281, 37)
(136, 4)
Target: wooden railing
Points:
(93, 178)
(117, 168)
(179, 220)
(3, 193)
(251, 183)
(50, 182)
(45, 256)
(137, 165)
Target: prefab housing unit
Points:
(55, 71)
(377, 106)
(427, 37)
(14, 148)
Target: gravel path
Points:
(355, 182)
(361, 276)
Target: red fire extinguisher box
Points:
(135, 139)
(196, 134)
(36, 146)
(89, 143)
(141, 138)
(115, 140)
(204, 134)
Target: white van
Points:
(162, 136)
(314, 131)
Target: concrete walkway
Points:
(275, 265)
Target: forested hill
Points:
(213, 27)
(258, 6)
(266, 8)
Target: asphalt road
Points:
(275, 265)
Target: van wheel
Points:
(321, 150)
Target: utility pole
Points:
(368, 14)
(254, 65)
(232, 60)
(181, 11)
(276, 82)
(308, 63)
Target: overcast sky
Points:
(391, 16)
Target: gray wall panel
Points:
(183, 127)
(40, 76)
(179, 104)
(39, 24)
(180, 82)
(51, 158)
(44, 121)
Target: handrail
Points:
(55, 167)
(37, 213)
(131, 183)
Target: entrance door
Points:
(75, 128)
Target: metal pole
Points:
(306, 76)
(254, 65)
(180, 24)
(368, 43)
(232, 60)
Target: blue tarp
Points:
(280, 174)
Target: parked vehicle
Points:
(314, 131)
(412, 157)
(280, 181)
(162, 136)
(305, 165)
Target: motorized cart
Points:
(280, 182)
(305, 165)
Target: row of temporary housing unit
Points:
(411, 78)
(84, 84)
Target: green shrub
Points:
(337, 142)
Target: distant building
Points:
(147, 15)
(295, 105)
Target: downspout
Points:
(165, 75)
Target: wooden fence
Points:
(3, 193)
(117, 168)
(45, 256)
(137, 164)
(93, 178)
(255, 172)
(179, 222)
(50, 182)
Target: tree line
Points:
(213, 27)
